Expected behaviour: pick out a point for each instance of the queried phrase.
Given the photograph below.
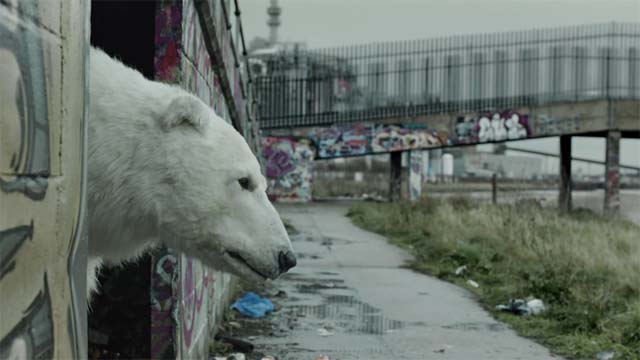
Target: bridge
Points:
(444, 92)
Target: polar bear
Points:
(163, 168)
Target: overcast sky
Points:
(329, 23)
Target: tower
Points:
(274, 12)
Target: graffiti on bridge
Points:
(388, 138)
(489, 127)
(337, 141)
(367, 138)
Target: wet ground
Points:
(350, 298)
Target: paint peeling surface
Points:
(288, 165)
(43, 312)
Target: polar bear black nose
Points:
(286, 260)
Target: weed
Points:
(585, 267)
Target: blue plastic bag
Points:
(253, 305)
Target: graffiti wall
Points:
(366, 138)
(489, 127)
(288, 167)
(188, 298)
(340, 141)
(43, 53)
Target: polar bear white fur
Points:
(163, 168)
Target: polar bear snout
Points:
(286, 260)
(247, 265)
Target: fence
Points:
(298, 87)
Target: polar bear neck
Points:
(124, 107)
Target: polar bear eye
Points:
(244, 183)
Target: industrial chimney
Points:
(274, 12)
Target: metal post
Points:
(494, 189)
(564, 197)
(612, 174)
(395, 181)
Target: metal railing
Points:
(453, 74)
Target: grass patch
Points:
(585, 267)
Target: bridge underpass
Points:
(439, 93)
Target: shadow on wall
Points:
(120, 316)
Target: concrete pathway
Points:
(350, 298)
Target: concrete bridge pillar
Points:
(395, 178)
(564, 196)
(612, 174)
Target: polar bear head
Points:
(210, 195)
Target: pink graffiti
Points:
(278, 163)
(162, 302)
(193, 297)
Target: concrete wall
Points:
(288, 167)
(43, 53)
(187, 298)
(439, 131)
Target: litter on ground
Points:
(523, 307)
(253, 305)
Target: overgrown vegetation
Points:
(585, 267)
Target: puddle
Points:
(476, 326)
(348, 314)
(315, 287)
(300, 255)
(327, 273)
(304, 278)
(330, 241)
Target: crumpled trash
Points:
(253, 305)
(237, 345)
(236, 356)
(324, 332)
(473, 283)
(461, 270)
(605, 355)
(523, 307)
(442, 349)
(322, 357)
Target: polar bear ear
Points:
(185, 110)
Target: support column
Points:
(564, 197)
(612, 174)
(395, 179)
(415, 175)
